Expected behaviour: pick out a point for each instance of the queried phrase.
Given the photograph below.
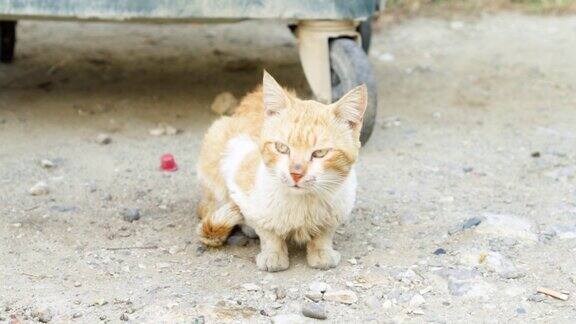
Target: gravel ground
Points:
(466, 190)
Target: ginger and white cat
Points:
(284, 167)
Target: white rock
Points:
(250, 287)
(417, 300)
(47, 164)
(39, 189)
(157, 131)
(456, 25)
(352, 261)
(387, 304)
(507, 226)
(103, 139)
(386, 57)
(341, 296)
(319, 287)
(224, 103)
(162, 265)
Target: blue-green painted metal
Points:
(186, 10)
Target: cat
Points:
(283, 167)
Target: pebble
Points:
(200, 249)
(314, 296)
(386, 57)
(43, 315)
(472, 222)
(341, 296)
(224, 103)
(564, 231)
(319, 287)
(237, 239)
(373, 302)
(537, 298)
(103, 139)
(279, 292)
(510, 226)
(130, 214)
(124, 317)
(417, 300)
(439, 251)
(164, 129)
(250, 287)
(520, 311)
(314, 310)
(288, 319)
(47, 164)
(77, 315)
(39, 189)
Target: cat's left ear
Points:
(275, 99)
(351, 107)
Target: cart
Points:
(333, 35)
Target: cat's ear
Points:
(275, 99)
(351, 107)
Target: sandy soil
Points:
(476, 119)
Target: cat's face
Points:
(308, 146)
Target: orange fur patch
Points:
(214, 234)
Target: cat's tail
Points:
(215, 225)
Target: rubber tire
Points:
(350, 67)
(7, 41)
(365, 31)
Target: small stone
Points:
(107, 197)
(386, 57)
(163, 265)
(512, 274)
(237, 239)
(535, 154)
(250, 287)
(417, 300)
(456, 25)
(159, 131)
(520, 311)
(47, 164)
(279, 292)
(224, 103)
(103, 139)
(200, 249)
(319, 287)
(314, 296)
(467, 169)
(103, 317)
(373, 302)
(439, 251)
(537, 298)
(352, 261)
(288, 319)
(130, 214)
(124, 317)
(472, 222)
(39, 189)
(314, 310)
(77, 315)
(43, 315)
(510, 226)
(77, 284)
(341, 296)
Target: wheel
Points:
(350, 67)
(365, 31)
(7, 40)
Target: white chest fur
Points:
(272, 206)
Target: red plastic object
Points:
(167, 163)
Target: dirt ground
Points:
(466, 190)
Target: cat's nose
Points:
(296, 176)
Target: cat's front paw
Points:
(323, 259)
(272, 261)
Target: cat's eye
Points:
(318, 154)
(282, 148)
